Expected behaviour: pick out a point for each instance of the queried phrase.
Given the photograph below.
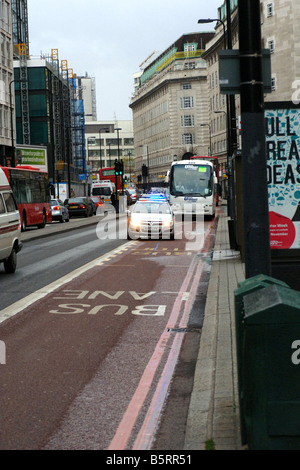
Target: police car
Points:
(151, 217)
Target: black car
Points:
(79, 206)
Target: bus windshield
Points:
(191, 180)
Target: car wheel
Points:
(61, 219)
(10, 264)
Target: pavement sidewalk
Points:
(214, 406)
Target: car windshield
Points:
(150, 208)
(54, 202)
(76, 199)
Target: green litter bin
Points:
(247, 287)
(271, 369)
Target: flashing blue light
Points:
(155, 197)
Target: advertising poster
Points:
(283, 174)
(35, 157)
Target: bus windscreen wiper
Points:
(195, 194)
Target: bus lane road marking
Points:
(27, 301)
(76, 302)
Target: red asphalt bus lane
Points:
(111, 329)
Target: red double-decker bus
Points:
(30, 187)
(109, 174)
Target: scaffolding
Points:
(20, 33)
(21, 52)
(24, 97)
(79, 134)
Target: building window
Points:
(190, 65)
(187, 120)
(189, 47)
(269, 9)
(186, 86)
(271, 45)
(273, 83)
(186, 102)
(187, 139)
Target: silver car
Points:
(59, 211)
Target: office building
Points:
(280, 34)
(170, 106)
(86, 91)
(6, 84)
(107, 141)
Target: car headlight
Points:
(135, 221)
(167, 223)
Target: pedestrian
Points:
(114, 201)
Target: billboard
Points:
(283, 174)
(32, 156)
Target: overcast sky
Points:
(109, 40)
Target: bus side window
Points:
(28, 194)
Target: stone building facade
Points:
(280, 34)
(170, 107)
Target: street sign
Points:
(229, 71)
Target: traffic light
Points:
(119, 168)
(144, 170)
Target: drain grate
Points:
(182, 330)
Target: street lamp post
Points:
(147, 154)
(206, 124)
(212, 20)
(109, 159)
(102, 129)
(118, 129)
(129, 163)
(100, 148)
